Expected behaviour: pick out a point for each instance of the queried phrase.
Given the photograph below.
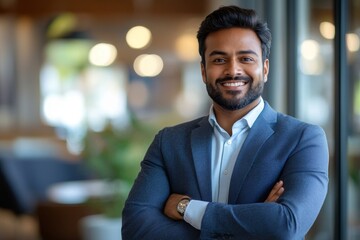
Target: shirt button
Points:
(229, 142)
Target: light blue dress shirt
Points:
(225, 149)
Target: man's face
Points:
(234, 73)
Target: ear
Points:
(203, 72)
(266, 69)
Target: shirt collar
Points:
(250, 117)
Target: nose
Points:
(233, 68)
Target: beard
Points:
(235, 103)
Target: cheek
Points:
(257, 72)
(213, 73)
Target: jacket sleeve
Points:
(305, 177)
(143, 216)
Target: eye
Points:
(218, 60)
(247, 59)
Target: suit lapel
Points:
(259, 133)
(201, 150)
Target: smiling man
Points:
(244, 171)
(234, 72)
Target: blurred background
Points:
(85, 85)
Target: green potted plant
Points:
(114, 156)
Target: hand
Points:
(171, 204)
(275, 192)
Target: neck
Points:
(227, 118)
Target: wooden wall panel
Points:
(36, 8)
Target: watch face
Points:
(181, 207)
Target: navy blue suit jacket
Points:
(277, 147)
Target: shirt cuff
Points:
(194, 213)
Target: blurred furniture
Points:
(27, 180)
(95, 226)
(74, 192)
(58, 221)
(24, 189)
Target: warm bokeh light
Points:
(353, 42)
(186, 47)
(102, 54)
(327, 30)
(148, 65)
(138, 37)
(310, 49)
(311, 63)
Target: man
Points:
(222, 176)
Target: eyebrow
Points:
(217, 52)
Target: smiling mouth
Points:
(234, 84)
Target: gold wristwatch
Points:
(182, 205)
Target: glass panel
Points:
(353, 45)
(314, 88)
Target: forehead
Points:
(233, 40)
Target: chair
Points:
(26, 180)
(24, 185)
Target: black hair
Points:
(233, 16)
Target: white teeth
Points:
(234, 84)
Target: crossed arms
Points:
(174, 199)
(149, 210)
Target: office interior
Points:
(73, 70)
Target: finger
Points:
(273, 197)
(275, 192)
(276, 196)
(276, 188)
